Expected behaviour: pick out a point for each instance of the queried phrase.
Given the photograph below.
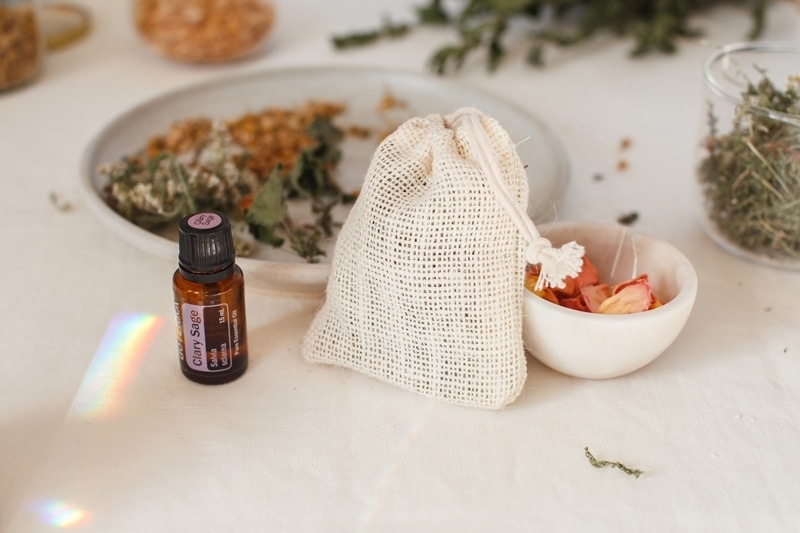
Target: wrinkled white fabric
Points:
(300, 447)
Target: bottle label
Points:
(206, 337)
(204, 221)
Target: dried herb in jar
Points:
(750, 177)
(20, 45)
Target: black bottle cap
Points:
(205, 247)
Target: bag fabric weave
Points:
(426, 281)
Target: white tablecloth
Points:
(292, 446)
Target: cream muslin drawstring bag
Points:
(426, 282)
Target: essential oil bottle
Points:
(209, 301)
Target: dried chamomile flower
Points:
(168, 187)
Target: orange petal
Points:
(588, 274)
(632, 298)
(655, 302)
(576, 302)
(530, 283)
(642, 278)
(531, 277)
(595, 295)
(547, 294)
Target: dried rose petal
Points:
(530, 282)
(572, 285)
(641, 279)
(632, 298)
(548, 294)
(588, 274)
(576, 302)
(584, 292)
(531, 277)
(595, 295)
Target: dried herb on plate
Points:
(250, 168)
(151, 192)
(310, 178)
(750, 177)
(655, 26)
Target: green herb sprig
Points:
(750, 177)
(655, 26)
(613, 464)
(387, 29)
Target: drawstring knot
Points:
(556, 263)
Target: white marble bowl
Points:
(595, 346)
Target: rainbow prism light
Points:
(61, 514)
(115, 363)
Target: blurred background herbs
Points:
(655, 25)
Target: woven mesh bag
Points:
(426, 282)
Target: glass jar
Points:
(748, 161)
(203, 31)
(21, 42)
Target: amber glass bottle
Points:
(209, 301)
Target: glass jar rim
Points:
(730, 50)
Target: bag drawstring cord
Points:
(556, 263)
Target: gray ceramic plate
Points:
(360, 90)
